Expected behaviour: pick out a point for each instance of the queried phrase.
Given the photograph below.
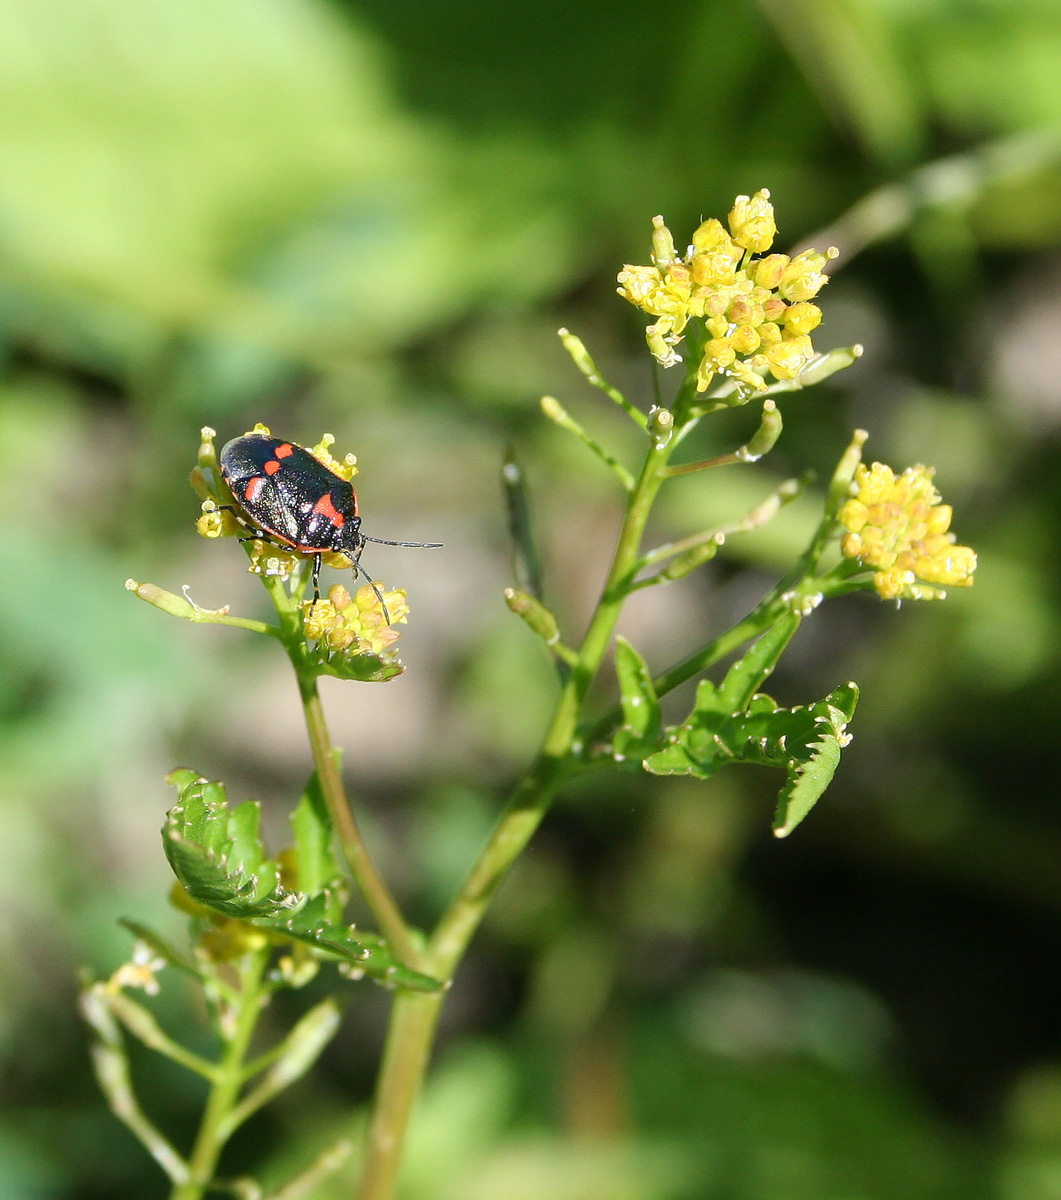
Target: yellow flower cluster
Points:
(898, 526)
(355, 624)
(756, 310)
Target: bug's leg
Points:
(316, 578)
(360, 570)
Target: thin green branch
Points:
(299, 1051)
(409, 1036)
(762, 442)
(555, 411)
(364, 871)
(115, 1081)
(326, 1164)
(183, 606)
(527, 562)
(143, 1025)
(581, 358)
(214, 1128)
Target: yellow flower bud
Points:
(346, 469)
(769, 270)
(751, 222)
(339, 597)
(802, 318)
(719, 353)
(769, 333)
(788, 357)
(710, 235)
(216, 522)
(803, 278)
(744, 339)
(663, 252)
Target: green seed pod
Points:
(537, 616)
(686, 563)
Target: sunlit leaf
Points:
(218, 858)
(804, 741)
(640, 730)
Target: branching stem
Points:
(224, 1093)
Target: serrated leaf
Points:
(211, 866)
(640, 731)
(750, 671)
(805, 741)
(810, 779)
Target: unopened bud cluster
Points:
(355, 624)
(898, 525)
(755, 310)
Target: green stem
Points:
(229, 1079)
(368, 879)
(409, 1037)
(414, 1016)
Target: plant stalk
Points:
(409, 1037)
(225, 1091)
(367, 877)
(414, 1017)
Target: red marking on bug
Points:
(326, 508)
(284, 450)
(253, 488)
(271, 467)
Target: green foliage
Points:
(641, 725)
(805, 741)
(732, 722)
(218, 856)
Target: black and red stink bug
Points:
(286, 496)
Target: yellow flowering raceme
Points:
(898, 525)
(355, 624)
(756, 311)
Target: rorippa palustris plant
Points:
(737, 319)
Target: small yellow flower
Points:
(749, 306)
(768, 271)
(346, 469)
(789, 356)
(802, 318)
(274, 562)
(355, 624)
(216, 522)
(898, 526)
(803, 278)
(751, 222)
(139, 971)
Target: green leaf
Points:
(750, 672)
(219, 859)
(640, 731)
(365, 668)
(311, 825)
(805, 741)
(810, 779)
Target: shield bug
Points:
(286, 496)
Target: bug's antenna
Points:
(412, 545)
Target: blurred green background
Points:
(370, 218)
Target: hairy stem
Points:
(229, 1079)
